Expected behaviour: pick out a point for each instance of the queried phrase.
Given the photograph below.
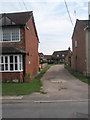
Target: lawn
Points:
(24, 88)
(78, 75)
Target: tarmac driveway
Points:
(59, 84)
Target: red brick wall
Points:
(67, 57)
(79, 54)
(9, 76)
(31, 47)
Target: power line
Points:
(24, 5)
(68, 12)
(20, 4)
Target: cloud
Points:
(52, 21)
(78, 1)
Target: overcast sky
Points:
(51, 18)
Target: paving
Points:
(58, 85)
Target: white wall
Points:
(88, 52)
(88, 9)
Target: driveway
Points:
(59, 84)
(68, 102)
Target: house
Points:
(81, 47)
(41, 58)
(59, 56)
(19, 46)
(48, 59)
(45, 58)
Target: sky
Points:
(52, 21)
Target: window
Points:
(10, 34)
(11, 63)
(75, 44)
(63, 55)
(57, 55)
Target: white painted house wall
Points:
(89, 9)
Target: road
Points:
(68, 102)
(46, 110)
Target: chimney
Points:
(69, 49)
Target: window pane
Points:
(20, 66)
(6, 66)
(15, 34)
(20, 58)
(15, 59)
(16, 67)
(6, 59)
(11, 59)
(1, 59)
(2, 67)
(11, 66)
(6, 35)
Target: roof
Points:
(47, 56)
(19, 18)
(11, 50)
(41, 54)
(84, 23)
(65, 52)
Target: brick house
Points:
(48, 58)
(45, 58)
(60, 56)
(81, 47)
(18, 46)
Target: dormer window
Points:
(10, 34)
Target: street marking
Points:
(53, 101)
(11, 98)
(42, 101)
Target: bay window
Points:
(11, 63)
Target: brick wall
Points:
(10, 76)
(67, 58)
(79, 53)
(31, 47)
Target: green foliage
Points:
(78, 75)
(53, 57)
(41, 61)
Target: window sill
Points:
(11, 71)
(9, 41)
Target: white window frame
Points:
(10, 35)
(18, 63)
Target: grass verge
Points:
(78, 75)
(16, 89)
